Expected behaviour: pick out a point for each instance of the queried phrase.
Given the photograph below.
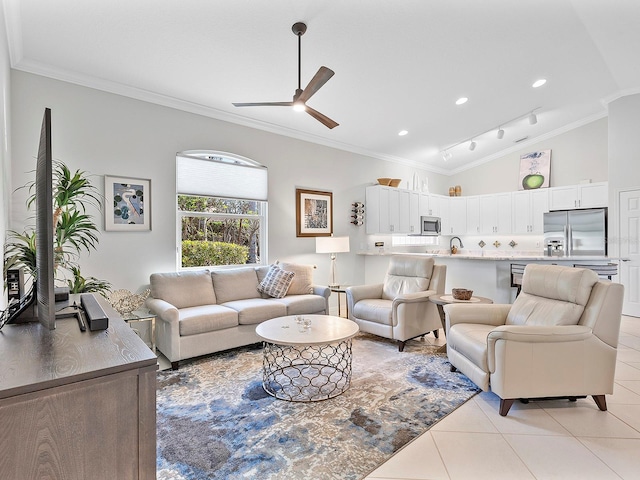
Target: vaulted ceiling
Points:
(399, 65)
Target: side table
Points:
(446, 299)
(341, 289)
(143, 315)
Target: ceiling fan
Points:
(300, 98)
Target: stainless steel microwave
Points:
(430, 226)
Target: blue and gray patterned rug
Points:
(215, 421)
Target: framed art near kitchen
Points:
(127, 204)
(535, 168)
(314, 213)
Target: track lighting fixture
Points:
(531, 116)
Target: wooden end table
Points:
(447, 299)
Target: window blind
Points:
(220, 174)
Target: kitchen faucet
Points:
(451, 247)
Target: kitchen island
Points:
(488, 274)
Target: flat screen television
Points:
(45, 293)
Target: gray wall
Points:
(576, 155)
(104, 133)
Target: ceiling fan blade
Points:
(326, 121)
(264, 104)
(321, 77)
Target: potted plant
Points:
(74, 230)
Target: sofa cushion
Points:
(303, 304)
(276, 282)
(206, 318)
(235, 284)
(183, 289)
(555, 296)
(376, 310)
(302, 283)
(256, 310)
(262, 272)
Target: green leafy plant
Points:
(74, 229)
(196, 253)
(79, 284)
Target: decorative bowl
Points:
(461, 293)
(384, 181)
(395, 182)
(124, 302)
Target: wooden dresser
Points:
(77, 405)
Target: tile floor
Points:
(540, 440)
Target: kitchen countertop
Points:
(524, 256)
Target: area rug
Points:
(215, 421)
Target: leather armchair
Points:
(399, 308)
(558, 339)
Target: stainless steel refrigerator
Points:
(576, 232)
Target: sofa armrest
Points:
(413, 297)
(485, 314)
(164, 310)
(360, 292)
(321, 290)
(528, 337)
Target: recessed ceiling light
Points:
(539, 83)
(402, 133)
(461, 100)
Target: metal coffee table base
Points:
(306, 373)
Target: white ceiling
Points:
(400, 64)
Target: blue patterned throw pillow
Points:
(276, 282)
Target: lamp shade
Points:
(332, 244)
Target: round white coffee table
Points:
(306, 365)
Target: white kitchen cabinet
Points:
(586, 195)
(457, 224)
(473, 216)
(391, 210)
(414, 212)
(495, 213)
(528, 208)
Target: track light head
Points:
(472, 145)
(533, 119)
(500, 134)
(446, 155)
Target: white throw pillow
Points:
(276, 282)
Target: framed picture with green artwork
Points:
(535, 168)
(127, 202)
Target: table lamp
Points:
(332, 245)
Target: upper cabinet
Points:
(528, 208)
(586, 195)
(495, 213)
(392, 210)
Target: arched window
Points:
(222, 208)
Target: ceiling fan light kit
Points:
(299, 102)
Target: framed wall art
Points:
(127, 204)
(314, 213)
(535, 168)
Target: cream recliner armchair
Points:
(399, 308)
(558, 339)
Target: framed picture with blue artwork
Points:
(127, 204)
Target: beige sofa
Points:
(201, 312)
